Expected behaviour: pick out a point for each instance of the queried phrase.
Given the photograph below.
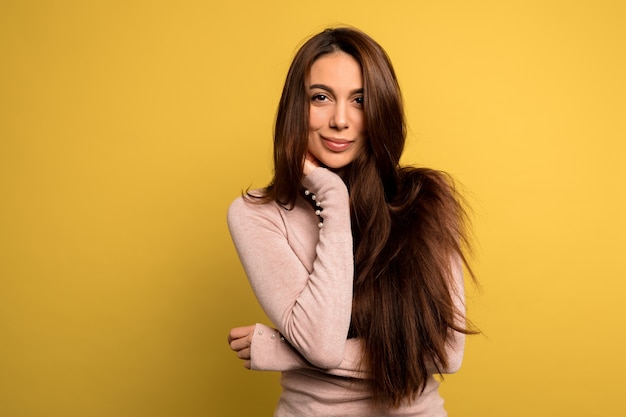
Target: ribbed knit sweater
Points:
(302, 276)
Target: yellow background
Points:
(127, 127)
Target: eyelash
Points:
(322, 97)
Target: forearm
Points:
(271, 353)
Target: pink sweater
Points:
(302, 276)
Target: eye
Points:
(319, 97)
(359, 100)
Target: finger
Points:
(310, 157)
(309, 166)
(239, 344)
(244, 354)
(239, 332)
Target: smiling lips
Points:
(335, 144)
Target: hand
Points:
(240, 340)
(310, 163)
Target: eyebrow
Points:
(330, 90)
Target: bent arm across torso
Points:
(273, 354)
(301, 274)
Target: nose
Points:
(339, 119)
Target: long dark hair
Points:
(408, 224)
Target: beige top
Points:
(302, 276)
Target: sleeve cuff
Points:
(270, 351)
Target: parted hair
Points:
(408, 223)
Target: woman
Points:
(356, 260)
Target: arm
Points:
(310, 308)
(270, 352)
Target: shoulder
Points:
(250, 205)
(427, 198)
(425, 185)
(427, 177)
(245, 212)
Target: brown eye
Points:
(319, 97)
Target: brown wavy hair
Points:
(407, 223)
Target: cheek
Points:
(360, 121)
(316, 118)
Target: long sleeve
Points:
(309, 303)
(274, 354)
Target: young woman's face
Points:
(336, 119)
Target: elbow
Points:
(322, 344)
(322, 350)
(325, 357)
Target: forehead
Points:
(337, 68)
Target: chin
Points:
(333, 163)
(337, 168)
